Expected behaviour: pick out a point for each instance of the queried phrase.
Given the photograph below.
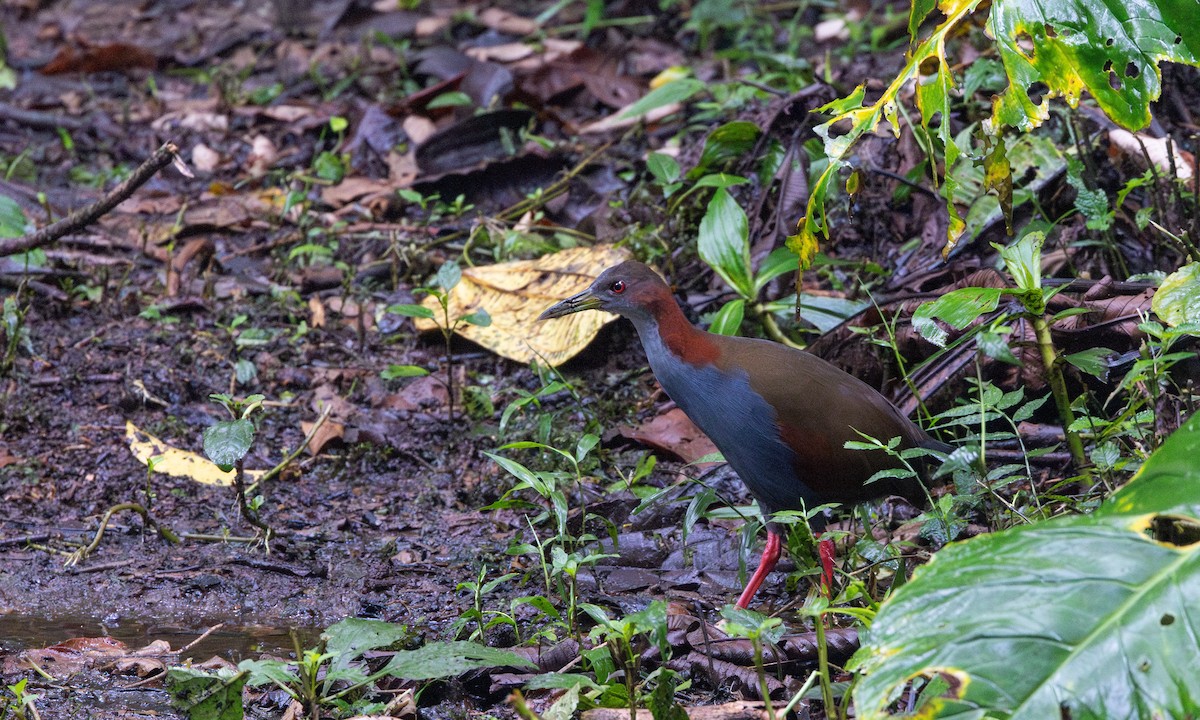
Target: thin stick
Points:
(83, 217)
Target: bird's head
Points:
(630, 289)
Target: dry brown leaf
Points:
(675, 433)
(506, 22)
(515, 293)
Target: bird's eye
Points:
(617, 287)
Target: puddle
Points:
(232, 642)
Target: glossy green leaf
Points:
(728, 320)
(779, 262)
(228, 441)
(1177, 300)
(724, 242)
(349, 638)
(958, 308)
(1109, 48)
(1082, 617)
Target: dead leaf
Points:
(506, 22)
(204, 158)
(673, 432)
(175, 462)
(328, 432)
(515, 293)
(1160, 151)
(114, 57)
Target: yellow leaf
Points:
(515, 293)
(178, 463)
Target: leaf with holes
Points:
(1080, 617)
(1110, 49)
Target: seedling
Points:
(447, 277)
(227, 442)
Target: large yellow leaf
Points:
(176, 462)
(515, 293)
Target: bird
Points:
(781, 416)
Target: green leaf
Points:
(226, 442)
(207, 696)
(12, 218)
(447, 659)
(479, 318)
(728, 320)
(781, 261)
(673, 92)
(995, 346)
(1024, 260)
(720, 180)
(1109, 49)
(266, 672)
(454, 98)
(1093, 361)
(1081, 617)
(729, 142)
(352, 637)
(664, 168)
(1177, 300)
(448, 275)
(724, 242)
(410, 310)
(391, 372)
(958, 308)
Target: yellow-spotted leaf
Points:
(1086, 617)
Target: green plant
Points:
(1062, 48)
(960, 307)
(14, 334)
(447, 277)
(19, 702)
(758, 629)
(1097, 607)
(621, 644)
(561, 555)
(479, 588)
(226, 442)
(334, 679)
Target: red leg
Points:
(770, 556)
(827, 553)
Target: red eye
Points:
(618, 287)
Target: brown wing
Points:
(819, 408)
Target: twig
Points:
(287, 460)
(86, 216)
(200, 639)
(165, 532)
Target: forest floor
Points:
(269, 271)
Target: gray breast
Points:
(738, 421)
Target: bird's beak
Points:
(585, 300)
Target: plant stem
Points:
(1058, 386)
(823, 667)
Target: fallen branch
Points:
(86, 216)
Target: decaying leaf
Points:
(515, 293)
(175, 462)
